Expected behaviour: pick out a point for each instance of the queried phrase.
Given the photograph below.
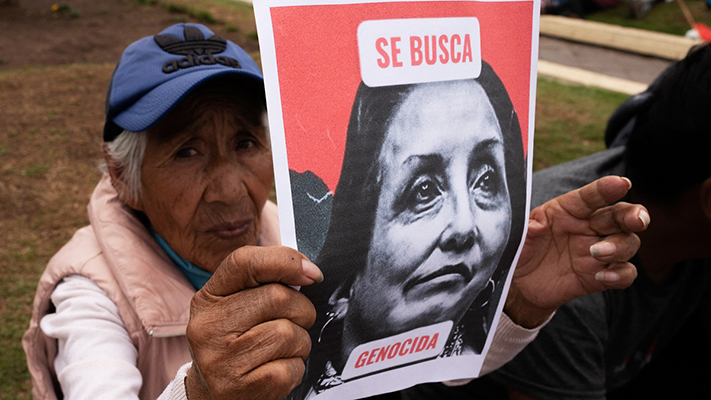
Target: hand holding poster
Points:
(401, 133)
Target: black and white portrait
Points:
(424, 223)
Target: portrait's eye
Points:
(422, 194)
(426, 191)
(185, 152)
(486, 185)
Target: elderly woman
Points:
(188, 176)
(171, 274)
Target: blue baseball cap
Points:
(155, 73)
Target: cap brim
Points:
(156, 104)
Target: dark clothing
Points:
(599, 342)
(560, 179)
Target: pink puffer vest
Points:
(152, 295)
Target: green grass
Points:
(36, 170)
(14, 377)
(200, 15)
(16, 292)
(663, 17)
(570, 121)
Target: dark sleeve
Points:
(567, 359)
(560, 179)
(566, 362)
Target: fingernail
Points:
(644, 216)
(312, 271)
(602, 249)
(629, 182)
(607, 276)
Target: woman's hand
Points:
(576, 244)
(248, 329)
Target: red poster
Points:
(401, 134)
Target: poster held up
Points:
(401, 133)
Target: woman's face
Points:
(443, 216)
(206, 174)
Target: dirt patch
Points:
(47, 33)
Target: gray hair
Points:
(125, 153)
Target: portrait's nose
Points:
(225, 183)
(460, 232)
(458, 242)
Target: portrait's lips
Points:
(230, 230)
(447, 273)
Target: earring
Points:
(340, 308)
(331, 316)
(487, 292)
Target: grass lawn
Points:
(570, 121)
(49, 150)
(664, 16)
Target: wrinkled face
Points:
(443, 216)
(206, 174)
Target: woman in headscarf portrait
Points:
(425, 221)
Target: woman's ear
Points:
(705, 198)
(116, 174)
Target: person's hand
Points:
(248, 329)
(576, 245)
